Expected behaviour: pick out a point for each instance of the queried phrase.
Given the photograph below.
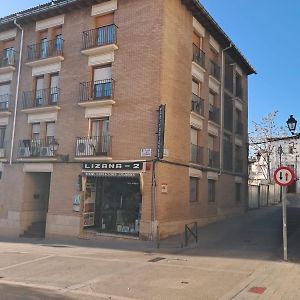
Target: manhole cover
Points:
(156, 259)
(257, 290)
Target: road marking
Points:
(26, 262)
(59, 289)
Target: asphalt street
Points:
(229, 258)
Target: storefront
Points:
(113, 197)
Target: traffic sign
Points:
(284, 176)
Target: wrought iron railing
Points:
(196, 154)
(5, 102)
(7, 58)
(197, 105)
(213, 159)
(198, 56)
(214, 114)
(101, 36)
(45, 49)
(38, 147)
(93, 146)
(41, 98)
(96, 90)
(215, 70)
(239, 128)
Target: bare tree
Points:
(261, 139)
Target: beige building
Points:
(81, 84)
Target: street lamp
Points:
(292, 124)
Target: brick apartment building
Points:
(81, 83)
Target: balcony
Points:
(239, 128)
(215, 70)
(46, 52)
(38, 148)
(196, 154)
(95, 146)
(97, 93)
(5, 104)
(239, 165)
(7, 60)
(197, 105)
(214, 114)
(213, 159)
(41, 100)
(198, 56)
(99, 40)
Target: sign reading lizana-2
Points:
(113, 166)
(284, 176)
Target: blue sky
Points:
(267, 32)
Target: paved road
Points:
(231, 256)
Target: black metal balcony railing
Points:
(214, 114)
(239, 128)
(198, 56)
(5, 102)
(99, 37)
(41, 98)
(93, 146)
(7, 58)
(45, 49)
(196, 154)
(213, 159)
(38, 148)
(197, 105)
(215, 70)
(96, 90)
(239, 165)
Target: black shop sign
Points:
(113, 166)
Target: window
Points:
(211, 98)
(4, 95)
(194, 136)
(43, 44)
(39, 91)
(197, 40)
(50, 127)
(36, 131)
(2, 136)
(58, 39)
(211, 190)
(194, 189)
(99, 134)
(196, 88)
(238, 192)
(102, 82)
(8, 53)
(54, 79)
(211, 142)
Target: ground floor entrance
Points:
(113, 205)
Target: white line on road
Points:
(26, 262)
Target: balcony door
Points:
(39, 91)
(105, 29)
(100, 135)
(4, 96)
(54, 80)
(2, 136)
(102, 83)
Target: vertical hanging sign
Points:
(161, 131)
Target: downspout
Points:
(222, 106)
(17, 92)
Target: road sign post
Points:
(284, 176)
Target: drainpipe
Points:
(222, 106)
(17, 92)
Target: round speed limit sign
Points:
(284, 176)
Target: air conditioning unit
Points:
(2, 152)
(46, 151)
(24, 152)
(85, 147)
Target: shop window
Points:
(194, 189)
(211, 190)
(238, 187)
(2, 136)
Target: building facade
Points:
(89, 89)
